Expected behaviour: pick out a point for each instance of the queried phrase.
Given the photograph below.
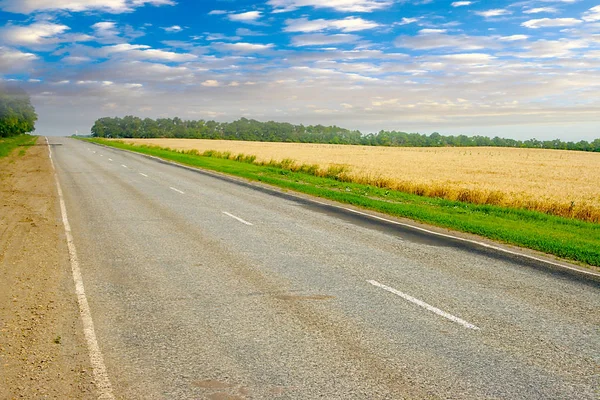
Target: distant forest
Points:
(249, 129)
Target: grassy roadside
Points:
(7, 145)
(566, 238)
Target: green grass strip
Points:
(570, 239)
(7, 145)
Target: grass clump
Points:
(7, 145)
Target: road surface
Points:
(202, 288)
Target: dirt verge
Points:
(42, 348)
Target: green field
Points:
(570, 239)
(7, 145)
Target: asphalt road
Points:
(201, 288)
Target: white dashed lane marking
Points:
(237, 218)
(426, 306)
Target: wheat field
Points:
(564, 183)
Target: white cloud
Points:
(244, 47)
(469, 58)
(406, 21)
(461, 3)
(210, 83)
(76, 59)
(379, 102)
(550, 22)
(427, 31)
(247, 32)
(112, 6)
(14, 60)
(143, 52)
(173, 29)
(139, 3)
(106, 32)
(119, 48)
(154, 54)
(184, 45)
(105, 28)
(329, 74)
(592, 15)
(126, 68)
(247, 17)
(219, 36)
(513, 38)
(338, 5)
(33, 34)
(496, 12)
(349, 24)
(428, 39)
(320, 39)
(538, 10)
(217, 12)
(552, 48)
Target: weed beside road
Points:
(7, 145)
(567, 238)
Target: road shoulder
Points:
(42, 348)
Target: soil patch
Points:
(42, 348)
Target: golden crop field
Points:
(554, 181)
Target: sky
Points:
(515, 69)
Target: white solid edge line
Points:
(142, 174)
(177, 190)
(489, 246)
(98, 368)
(237, 218)
(429, 307)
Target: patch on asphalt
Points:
(235, 393)
(291, 297)
(212, 384)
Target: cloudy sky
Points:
(516, 69)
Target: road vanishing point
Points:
(198, 287)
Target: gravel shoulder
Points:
(42, 348)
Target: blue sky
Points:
(516, 69)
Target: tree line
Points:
(17, 115)
(249, 129)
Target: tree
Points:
(17, 115)
(272, 131)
